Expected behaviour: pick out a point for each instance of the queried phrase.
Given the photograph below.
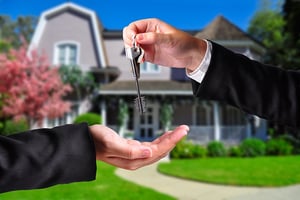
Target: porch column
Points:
(103, 111)
(217, 128)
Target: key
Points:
(135, 54)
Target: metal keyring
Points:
(134, 44)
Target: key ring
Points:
(134, 43)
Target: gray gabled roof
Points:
(226, 33)
(222, 29)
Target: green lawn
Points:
(260, 171)
(107, 186)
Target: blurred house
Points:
(71, 34)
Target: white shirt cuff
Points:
(199, 73)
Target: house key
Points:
(135, 54)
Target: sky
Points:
(116, 14)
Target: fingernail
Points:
(140, 37)
(146, 153)
(187, 128)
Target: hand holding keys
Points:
(135, 54)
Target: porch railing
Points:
(228, 134)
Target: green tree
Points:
(82, 82)
(277, 27)
(267, 26)
(15, 31)
(6, 27)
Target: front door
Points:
(146, 125)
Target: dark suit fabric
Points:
(44, 157)
(266, 91)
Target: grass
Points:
(107, 186)
(259, 171)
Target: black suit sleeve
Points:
(266, 91)
(44, 157)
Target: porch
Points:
(208, 120)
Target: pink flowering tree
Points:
(30, 88)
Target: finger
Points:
(128, 34)
(172, 136)
(130, 149)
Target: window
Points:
(147, 67)
(66, 54)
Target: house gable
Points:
(229, 35)
(71, 24)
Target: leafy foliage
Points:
(4, 46)
(253, 147)
(267, 26)
(29, 87)
(12, 126)
(81, 82)
(234, 151)
(12, 31)
(90, 118)
(216, 149)
(187, 149)
(279, 31)
(278, 146)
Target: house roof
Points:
(228, 34)
(222, 29)
(147, 87)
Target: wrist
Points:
(197, 55)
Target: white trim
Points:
(37, 35)
(43, 20)
(65, 42)
(99, 42)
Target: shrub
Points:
(295, 142)
(253, 147)
(11, 127)
(216, 149)
(198, 151)
(90, 118)
(234, 151)
(187, 149)
(278, 146)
